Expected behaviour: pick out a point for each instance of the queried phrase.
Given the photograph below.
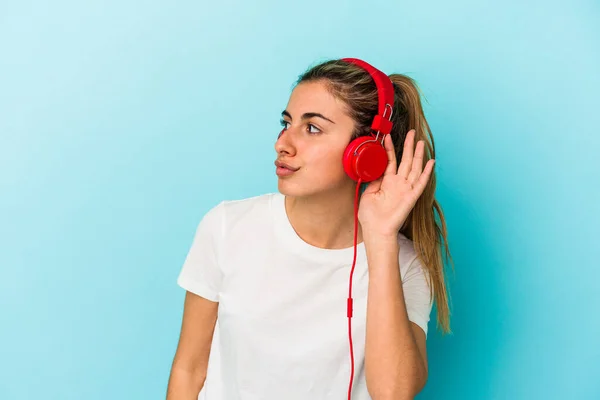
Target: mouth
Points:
(280, 164)
(284, 169)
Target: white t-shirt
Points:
(282, 329)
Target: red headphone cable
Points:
(349, 305)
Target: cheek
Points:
(328, 160)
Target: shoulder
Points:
(230, 211)
(233, 219)
(235, 206)
(239, 209)
(231, 214)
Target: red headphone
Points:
(365, 157)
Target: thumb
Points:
(373, 186)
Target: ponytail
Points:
(425, 225)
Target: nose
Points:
(284, 144)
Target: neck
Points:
(325, 220)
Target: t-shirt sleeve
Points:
(201, 273)
(417, 296)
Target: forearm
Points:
(393, 365)
(184, 384)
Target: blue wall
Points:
(122, 123)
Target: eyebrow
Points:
(307, 116)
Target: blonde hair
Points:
(356, 89)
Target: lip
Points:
(280, 164)
(284, 169)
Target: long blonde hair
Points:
(355, 88)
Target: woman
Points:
(274, 270)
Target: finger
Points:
(424, 178)
(388, 144)
(417, 164)
(407, 154)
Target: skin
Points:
(190, 364)
(395, 350)
(319, 196)
(320, 207)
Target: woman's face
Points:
(316, 131)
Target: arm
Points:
(395, 350)
(190, 363)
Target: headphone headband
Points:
(385, 93)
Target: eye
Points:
(311, 132)
(318, 130)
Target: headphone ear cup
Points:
(364, 158)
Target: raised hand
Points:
(387, 201)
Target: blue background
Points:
(122, 123)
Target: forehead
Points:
(315, 97)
